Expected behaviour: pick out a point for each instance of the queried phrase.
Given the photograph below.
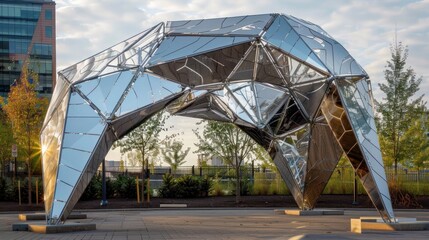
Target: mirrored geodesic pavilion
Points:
(284, 81)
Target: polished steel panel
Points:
(355, 96)
(106, 91)
(178, 47)
(332, 55)
(121, 52)
(310, 96)
(284, 36)
(204, 69)
(337, 117)
(147, 89)
(323, 156)
(242, 25)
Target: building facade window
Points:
(48, 31)
(48, 14)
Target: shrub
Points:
(278, 187)
(3, 187)
(125, 187)
(93, 190)
(260, 186)
(168, 188)
(206, 185)
(401, 197)
(187, 186)
(184, 187)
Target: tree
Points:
(134, 158)
(173, 154)
(416, 143)
(26, 111)
(227, 142)
(6, 140)
(264, 157)
(145, 141)
(399, 106)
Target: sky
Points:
(366, 28)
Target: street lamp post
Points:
(103, 182)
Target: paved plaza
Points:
(234, 223)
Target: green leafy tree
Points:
(26, 111)
(173, 154)
(145, 140)
(416, 143)
(227, 142)
(399, 107)
(263, 156)
(134, 158)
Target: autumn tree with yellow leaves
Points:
(25, 111)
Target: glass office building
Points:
(27, 35)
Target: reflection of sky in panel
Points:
(329, 51)
(138, 39)
(309, 25)
(93, 65)
(68, 174)
(229, 100)
(62, 191)
(139, 52)
(75, 158)
(80, 142)
(282, 35)
(57, 208)
(147, 89)
(269, 99)
(378, 172)
(96, 64)
(295, 162)
(81, 118)
(373, 150)
(389, 208)
(363, 91)
(177, 47)
(84, 125)
(245, 96)
(246, 25)
(106, 91)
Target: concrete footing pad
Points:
(370, 224)
(173, 205)
(314, 212)
(67, 227)
(40, 227)
(42, 216)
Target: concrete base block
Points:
(364, 224)
(31, 217)
(279, 211)
(314, 212)
(173, 205)
(20, 226)
(67, 227)
(42, 216)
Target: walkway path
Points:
(217, 224)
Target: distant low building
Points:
(216, 161)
